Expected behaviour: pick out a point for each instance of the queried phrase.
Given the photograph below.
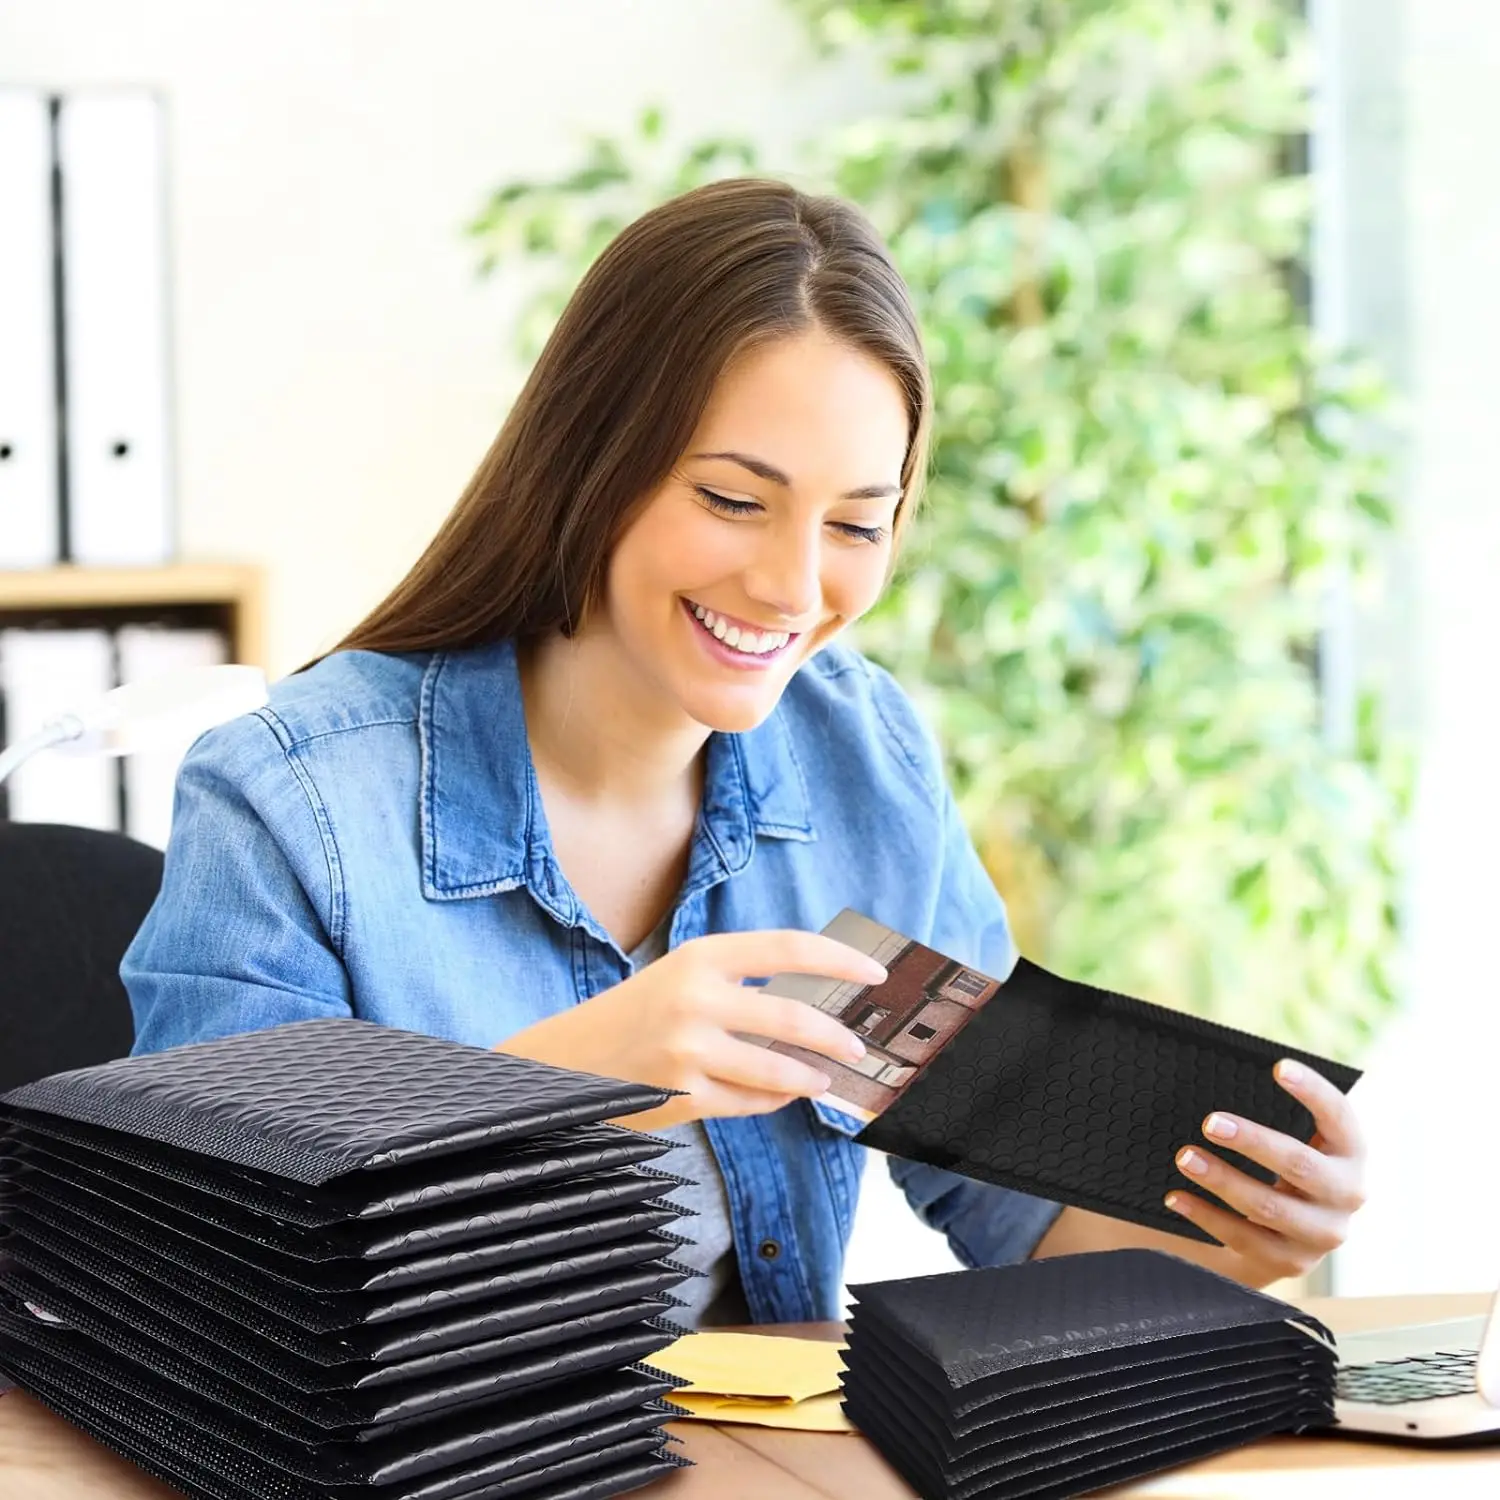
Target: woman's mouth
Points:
(735, 644)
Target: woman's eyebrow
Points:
(769, 472)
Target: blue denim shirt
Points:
(373, 842)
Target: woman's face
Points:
(771, 534)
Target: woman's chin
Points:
(730, 710)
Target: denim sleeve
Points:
(985, 1225)
(242, 934)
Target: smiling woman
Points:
(600, 758)
(761, 544)
(649, 379)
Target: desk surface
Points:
(42, 1458)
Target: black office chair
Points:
(71, 899)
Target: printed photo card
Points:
(926, 1000)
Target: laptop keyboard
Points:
(1420, 1378)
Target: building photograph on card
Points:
(926, 1000)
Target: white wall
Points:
(1418, 261)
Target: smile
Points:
(737, 643)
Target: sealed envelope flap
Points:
(768, 1366)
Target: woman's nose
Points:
(785, 575)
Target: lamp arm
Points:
(58, 731)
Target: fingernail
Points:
(1177, 1203)
(824, 1083)
(878, 974)
(1221, 1127)
(1191, 1161)
(1291, 1073)
(856, 1048)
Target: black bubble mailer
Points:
(335, 1259)
(1057, 1377)
(1084, 1096)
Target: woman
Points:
(599, 758)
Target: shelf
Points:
(228, 595)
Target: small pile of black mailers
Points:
(335, 1259)
(1061, 1376)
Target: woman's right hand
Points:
(674, 1025)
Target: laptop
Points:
(1429, 1382)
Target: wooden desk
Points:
(42, 1458)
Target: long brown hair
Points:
(619, 389)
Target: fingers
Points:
(780, 1019)
(725, 1060)
(1333, 1180)
(1337, 1123)
(1315, 1225)
(741, 955)
(1260, 1247)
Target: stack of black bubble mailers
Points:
(334, 1259)
(1065, 1375)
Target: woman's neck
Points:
(598, 730)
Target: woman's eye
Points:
(862, 533)
(729, 507)
(724, 504)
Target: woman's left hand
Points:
(1294, 1224)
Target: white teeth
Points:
(750, 642)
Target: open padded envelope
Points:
(1084, 1096)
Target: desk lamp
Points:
(142, 715)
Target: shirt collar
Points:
(482, 825)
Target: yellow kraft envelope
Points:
(767, 1379)
(816, 1414)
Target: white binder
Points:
(147, 651)
(28, 381)
(44, 673)
(112, 150)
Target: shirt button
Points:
(769, 1249)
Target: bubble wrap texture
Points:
(374, 1240)
(1083, 1096)
(1024, 1394)
(180, 1241)
(148, 1374)
(103, 1388)
(972, 1324)
(296, 1154)
(363, 1195)
(315, 1099)
(1057, 1377)
(1085, 1463)
(549, 1446)
(70, 1235)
